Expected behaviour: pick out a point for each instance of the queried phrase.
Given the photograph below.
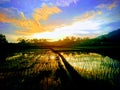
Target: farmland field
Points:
(44, 69)
(94, 66)
(31, 69)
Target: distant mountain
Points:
(112, 36)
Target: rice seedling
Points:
(21, 69)
(94, 66)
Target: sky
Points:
(56, 19)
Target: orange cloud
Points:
(2, 17)
(31, 26)
(5, 19)
(112, 6)
(44, 12)
(88, 15)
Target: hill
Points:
(113, 36)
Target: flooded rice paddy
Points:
(94, 66)
(43, 69)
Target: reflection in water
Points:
(33, 69)
(94, 66)
(30, 59)
(43, 69)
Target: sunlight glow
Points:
(81, 28)
(54, 36)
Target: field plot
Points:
(34, 69)
(94, 66)
(45, 69)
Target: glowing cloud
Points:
(56, 19)
(44, 12)
(88, 15)
(81, 28)
(31, 26)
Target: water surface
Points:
(94, 66)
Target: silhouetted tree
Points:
(21, 41)
(73, 38)
(78, 39)
(3, 39)
(3, 48)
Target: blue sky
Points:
(56, 19)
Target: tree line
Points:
(7, 48)
(72, 41)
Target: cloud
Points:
(107, 6)
(64, 3)
(88, 28)
(91, 23)
(2, 18)
(88, 15)
(44, 12)
(99, 15)
(79, 26)
(29, 26)
(111, 6)
(83, 29)
(4, 1)
(11, 12)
